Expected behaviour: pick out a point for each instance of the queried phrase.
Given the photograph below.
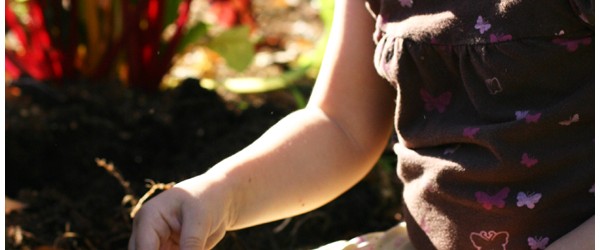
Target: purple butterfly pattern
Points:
(521, 114)
(489, 201)
(482, 25)
(533, 118)
(528, 200)
(572, 44)
(490, 240)
(470, 132)
(527, 116)
(536, 243)
(495, 38)
(438, 103)
(528, 160)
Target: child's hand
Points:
(195, 214)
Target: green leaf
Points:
(298, 97)
(171, 8)
(247, 85)
(313, 59)
(193, 35)
(235, 47)
(326, 12)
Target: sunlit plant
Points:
(130, 40)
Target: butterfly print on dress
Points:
(533, 118)
(536, 243)
(493, 85)
(495, 38)
(438, 103)
(528, 160)
(572, 44)
(527, 116)
(528, 200)
(572, 119)
(482, 25)
(470, 132)
(521, 114)
(489, 201)
(490, 240)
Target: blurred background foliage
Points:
(155, 44)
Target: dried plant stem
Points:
(153, 187)
(129, 194)
(110, 167)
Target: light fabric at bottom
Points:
(395, 238)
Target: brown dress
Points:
(495, 118)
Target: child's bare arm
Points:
(582, 237)
(326, 148)
(301, 163)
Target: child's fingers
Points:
(149, 229)
(144, 239)
(193, 232)
(131, 245)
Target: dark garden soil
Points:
(54, 135)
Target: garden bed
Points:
(55, 134)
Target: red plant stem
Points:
(151, 44)
(183, 11)
(132, 17)
(41, 37)
(53, 56)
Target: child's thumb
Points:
(145, 235)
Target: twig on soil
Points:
(17, 234)
(69, 235)
(130, 195)
(153, 187)
(110, 167)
